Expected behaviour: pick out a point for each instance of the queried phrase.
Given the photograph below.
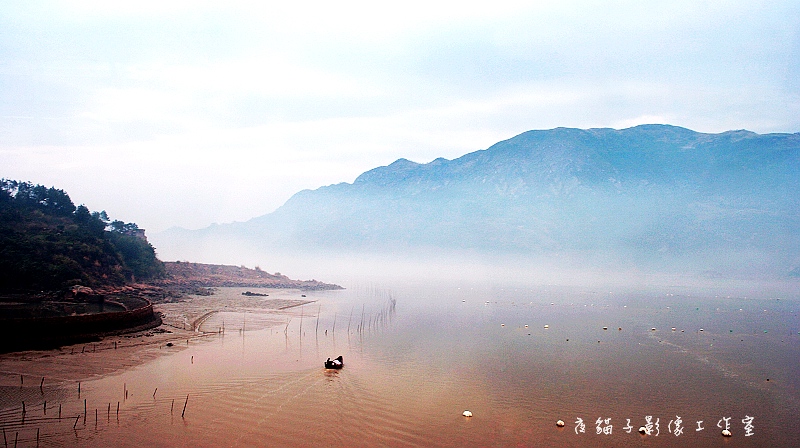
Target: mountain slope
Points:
(656, 196)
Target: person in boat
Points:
(337, 363)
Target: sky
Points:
(169, 113)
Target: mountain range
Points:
(654, 197)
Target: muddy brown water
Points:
(416, 358)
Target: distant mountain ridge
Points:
(658, 196)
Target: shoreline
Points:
(115, 353)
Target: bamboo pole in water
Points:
(184, 405)
(301, 322)
(350, 319)
(316, 329)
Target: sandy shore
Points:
(181, 327)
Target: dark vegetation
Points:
(47, 243)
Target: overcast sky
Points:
(188, 113)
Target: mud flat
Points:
(181, 323)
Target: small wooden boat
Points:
(337, 363)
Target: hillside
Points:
(199, 275)
(655, 197)
(47, 243)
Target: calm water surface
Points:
(416, 358)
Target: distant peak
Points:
(403, 163)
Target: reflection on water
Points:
(417, 358)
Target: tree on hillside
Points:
(47, 243)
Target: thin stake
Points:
(108, 414)
(301, 321)
(171, 408)
(59, 411)
(41, 385)
(76, 422)
(44, 407)
(184, 405)
(316, 330)
(154, 393)
(350, 319)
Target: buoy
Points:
(547, 326)
(726, 433)
(673, 328)
(467, 414)
(560, 423)
(526, 326)
(642, 430)
(701, 329)
(653, 329)
(502, 325)
(605, 328)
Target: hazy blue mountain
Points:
(655, 196)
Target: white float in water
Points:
(467, 414)
(547, 326)
(726, 433)
(560, 423)
(642, 430)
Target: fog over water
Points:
(417, 354)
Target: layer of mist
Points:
(647, 204)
